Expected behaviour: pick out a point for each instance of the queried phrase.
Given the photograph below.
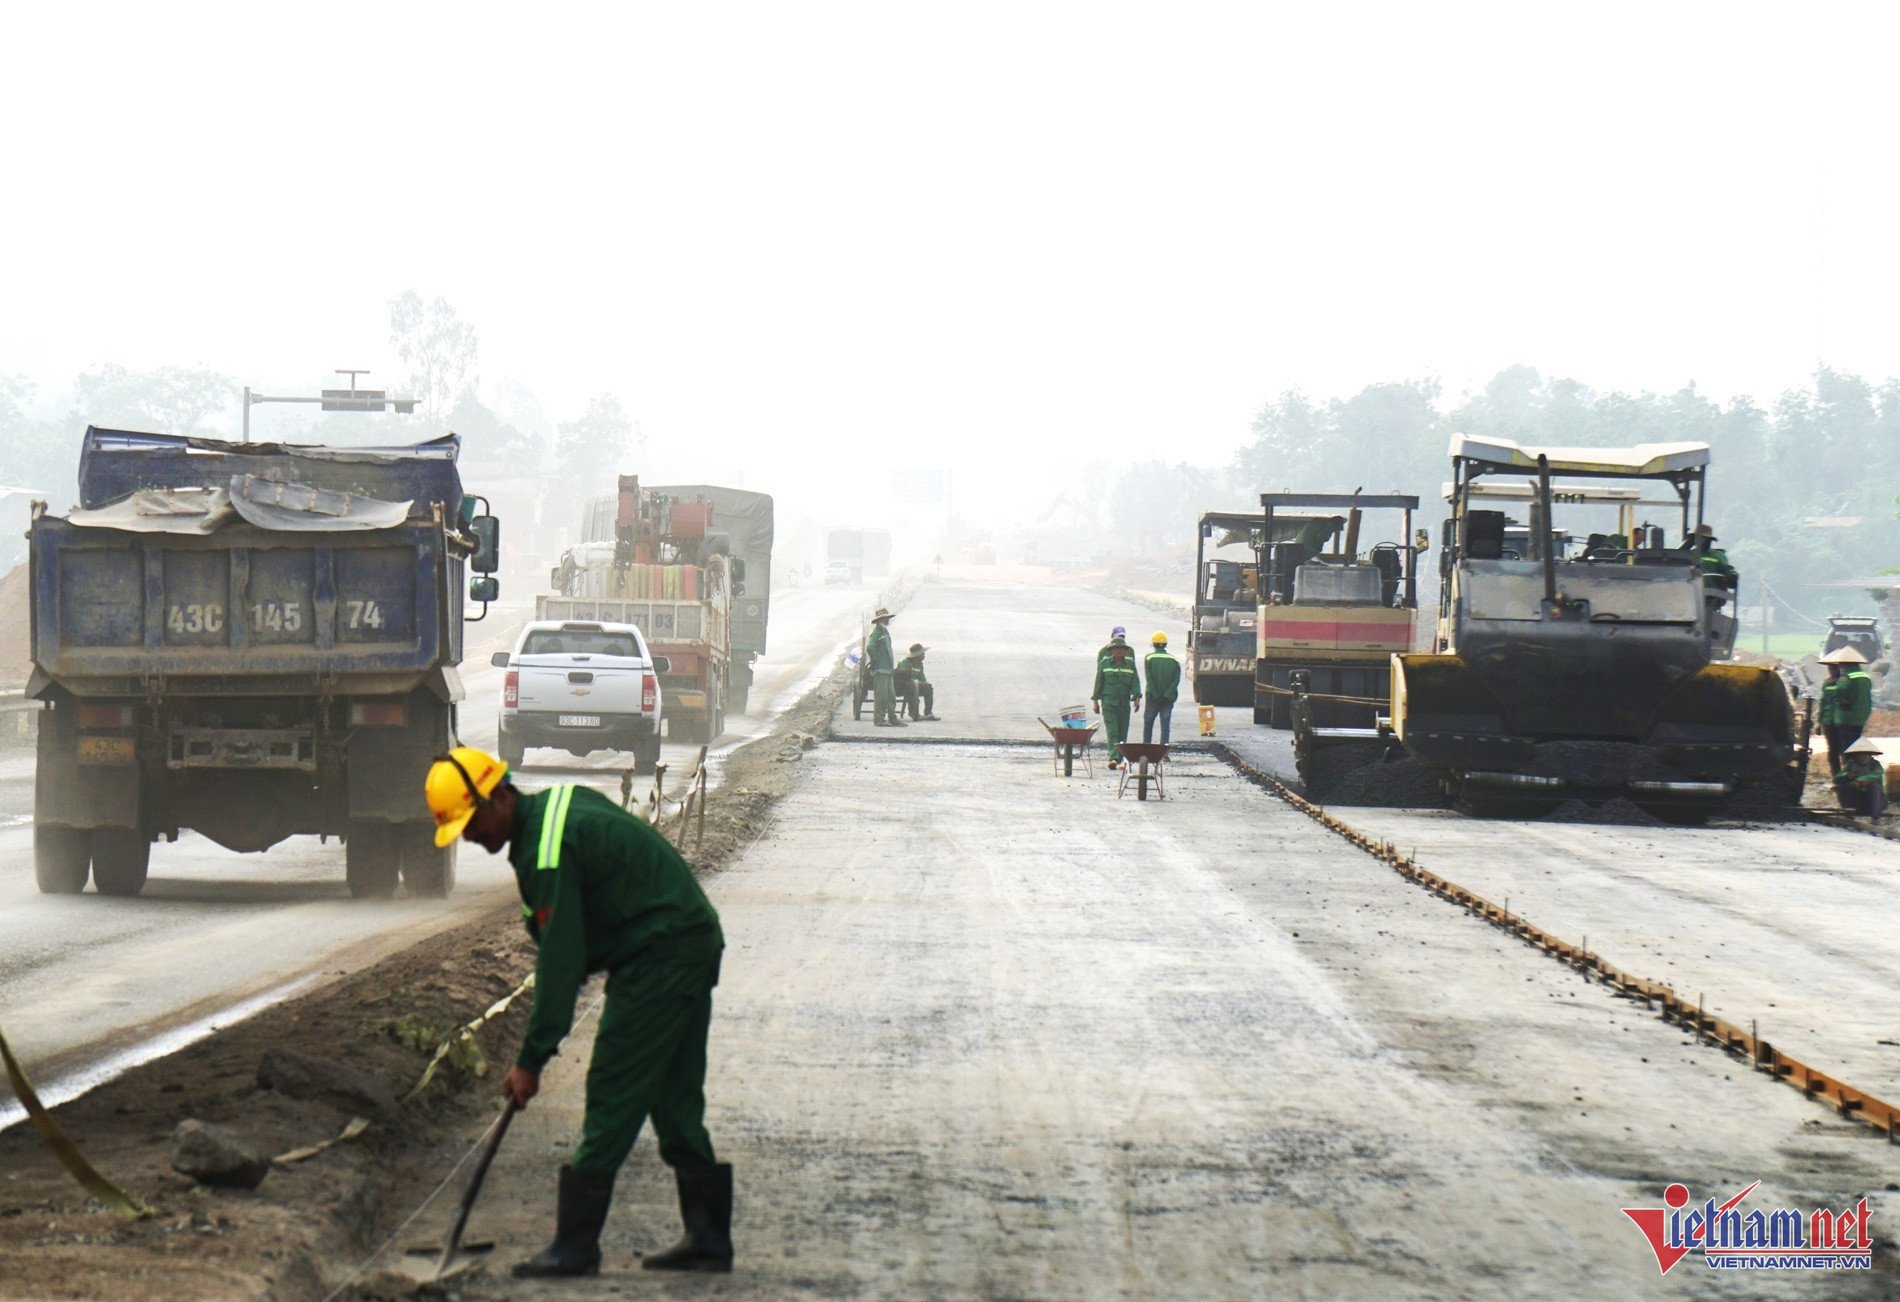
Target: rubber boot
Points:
(706, 1211)
(580, 1214)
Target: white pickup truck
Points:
(582, 687)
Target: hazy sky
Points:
(983, 235)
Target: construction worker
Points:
(1118, 637)
(877, 651)
(1861, 784)
(602, 891)
(1847, 698)
(1164, 686)
(1315, 534)
(1117, 695)
(1701, 542)
(911, 681)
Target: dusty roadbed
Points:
(311, 1223)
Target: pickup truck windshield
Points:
(556, 641)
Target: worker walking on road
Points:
(602, 891)
(1847, 699)
(1117, 694)
(1164, 687)
(877, 650)
(912, 683)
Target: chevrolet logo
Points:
(581, 691)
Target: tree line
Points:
(40, 431)
(1801, 489)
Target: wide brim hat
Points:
(918, 648)
(1843, 655)
(1862, 747)
(880, 613)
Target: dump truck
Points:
(667, 571)
(250, 641)
(1584, 663)
(1334, 606)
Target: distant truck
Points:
(250, 641)
(582, 687)
(744, 519)
(866, 551)
(668, 572)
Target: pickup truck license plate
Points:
(580, 721)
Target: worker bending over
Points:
(1117, 694)
(911, 683)
(1164, 687)
(602, 891)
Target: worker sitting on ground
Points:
(602, 891)
(1164, 686)
(911, 682)
(1847, 699)
(1861, 784)
(1117, 695)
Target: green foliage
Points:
(438, 347)
(595, 446)
(1827, 451)
(168, 400)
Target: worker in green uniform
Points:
(1164, 687)
(602, 891)
(911, 683)
(1314, 534)
(1117, 695)
(883, 662)
(1862, 782)
(1847, 699)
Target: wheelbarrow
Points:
(1068, 741)
(1141, 760)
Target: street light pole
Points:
(350, 399)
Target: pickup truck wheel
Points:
(120, 856)
(646, 755)
(62, 858)
(510, 750)
(372, 860)
(427, 872)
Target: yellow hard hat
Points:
(1159, 639)
(458, 784)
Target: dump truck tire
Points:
(372, 862)
(427, 872)
(120, 857)
(62, 858)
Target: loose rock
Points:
(215, 1156)
(301, 1076)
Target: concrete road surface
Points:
(88, 983)
(987, 1032)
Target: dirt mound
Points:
(1617, 812)
(1600, 763)
(16, 616)
(1369, 777)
